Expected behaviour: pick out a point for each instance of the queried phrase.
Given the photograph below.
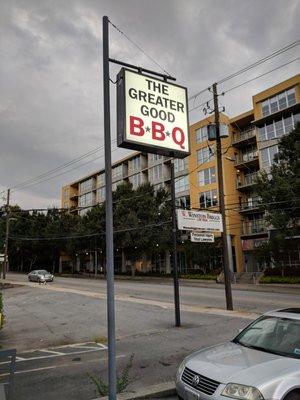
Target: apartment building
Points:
(250, 147)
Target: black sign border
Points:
(122, 141)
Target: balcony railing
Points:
(254, 227)
(250, 204)
(247, 180)
(246, 157)
(244, 135)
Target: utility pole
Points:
(7, 209)
(174, 239)
(112, 378)
(227, 280)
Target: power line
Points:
(139, 48)
(250, 66)
(28, 238)
(259, 76)
(60, 167)
(260, 61)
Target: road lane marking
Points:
(60, 366)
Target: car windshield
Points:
(273, 335)
(43, 272)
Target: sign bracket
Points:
(141, 69)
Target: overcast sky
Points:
(51, 71)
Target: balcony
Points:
(246, 182)
(244, 138)
(250, 205)
(255, 227)
(247, 160)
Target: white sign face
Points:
(189, 220)
(1, 257)
(202, 237)
(152, 115)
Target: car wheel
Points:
(295, 395)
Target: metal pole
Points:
(228, 293)
(7, 209)
(174, 238)
(109, 220)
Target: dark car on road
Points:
(40, 276)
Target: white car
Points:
(261, 363)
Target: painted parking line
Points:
(60, 351)
(59, 366)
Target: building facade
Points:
(249, 148)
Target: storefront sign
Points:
(202, 237)
(199, 220)
(152, 115)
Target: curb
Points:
(158, 391)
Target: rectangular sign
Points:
(189, 220)
(152, 115)
(202, 237)
(1, 257)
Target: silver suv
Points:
(261, 363)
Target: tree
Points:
(280, 191)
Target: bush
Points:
(285, 271)
(206, 277)
(280, 279)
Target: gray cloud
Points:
(51, 70)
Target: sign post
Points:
(112, 379)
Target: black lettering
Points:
(180, 106)
(132, 93)
(143, 96)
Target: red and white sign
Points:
(189, 220)
(152, 115)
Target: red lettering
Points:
(158, 131)
(136, 126)
(178, 138)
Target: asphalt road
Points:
(74, 311)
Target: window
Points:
(267, 155)
(278, 102)
(86, 199)
(101, 193)
(183, 201)
(204, 155)
(180, 164)
(86, 185)
(155, 173)
(201, 134)
(66, 193)
(66, 205)
(276, 129)
(182, 184)
(156, 157)
(117, 172)
(135, 180)
(135, 164)
(208, 199)
(207, 176)
(101, 179)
